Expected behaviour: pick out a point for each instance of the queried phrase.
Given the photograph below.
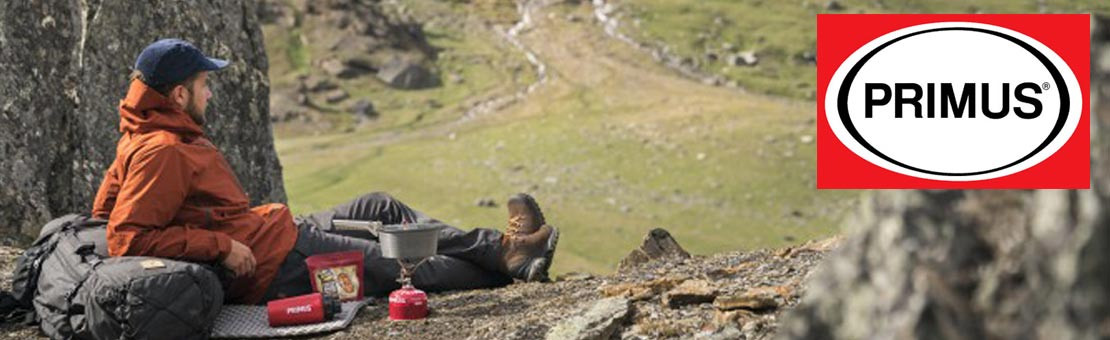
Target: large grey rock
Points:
(335, 96)
(600, 321)
(973, 264)
(64, 66)
(658, 244)
(356, 26)
(745, 58)
(365, 108)
(407, 75)
(340, 69)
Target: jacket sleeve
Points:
(106, 195)
(152, 189)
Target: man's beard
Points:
(195, 113)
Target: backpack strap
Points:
(12, 310)
(8, 305)
(87, 251)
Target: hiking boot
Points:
(525, 216)
(528, 242)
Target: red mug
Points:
(304, 309)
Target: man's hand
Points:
(240, 260)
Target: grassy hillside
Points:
(782, 33)
(612, 146)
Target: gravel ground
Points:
(529, 310)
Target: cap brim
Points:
(215, 64)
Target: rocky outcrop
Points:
(975, 264)
(658, 244)
(348, 44)
(64, 66)
(360, 26)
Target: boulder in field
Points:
(407, 75)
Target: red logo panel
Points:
(953, 101)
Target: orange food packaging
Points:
(337, 274)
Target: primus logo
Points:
(948, 102)
(299, 309)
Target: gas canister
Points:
(408, 303)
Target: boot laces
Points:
(516, 223)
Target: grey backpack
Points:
(53, 269)
(78, 292)
(150, 298)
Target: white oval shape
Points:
(954, 149)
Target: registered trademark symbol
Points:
(1046, 86)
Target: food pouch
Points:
(337, 274)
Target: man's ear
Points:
(178, 95)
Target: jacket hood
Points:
(145, 110)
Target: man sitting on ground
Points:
(170, 193)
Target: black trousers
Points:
(465, 260)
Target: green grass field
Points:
(781, 31)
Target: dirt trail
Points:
(578, 56)
(525, 10)
(605, 11)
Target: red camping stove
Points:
(408, 303)
(411, 245)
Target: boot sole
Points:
(538, 270)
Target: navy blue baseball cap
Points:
(170, 61)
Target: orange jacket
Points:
(170, 193)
